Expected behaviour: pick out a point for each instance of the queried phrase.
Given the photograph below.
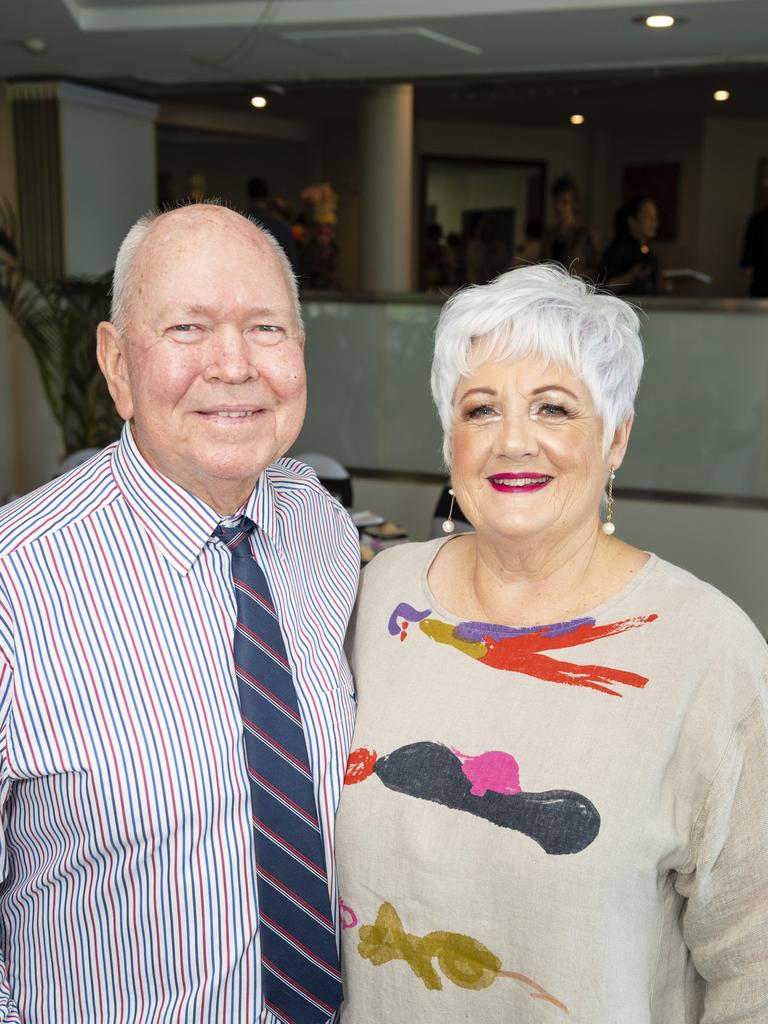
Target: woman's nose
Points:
(516, 436)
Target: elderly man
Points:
(175, 705)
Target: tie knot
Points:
(233, 536)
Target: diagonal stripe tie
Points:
(300, 973)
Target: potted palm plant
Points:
(58, 319)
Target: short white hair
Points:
(545, 312)
(124, 275)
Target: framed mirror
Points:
(477, 218)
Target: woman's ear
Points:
(110, 350)
(618, 447)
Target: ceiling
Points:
(527, 61)
(218, 41)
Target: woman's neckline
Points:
(593, 613)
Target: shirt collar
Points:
(180, 523)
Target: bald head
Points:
(205, 358)
(176, 228)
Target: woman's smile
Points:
(514, 483)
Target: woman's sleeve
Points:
(725, 920)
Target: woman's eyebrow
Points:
(555, 387)
(478, 391)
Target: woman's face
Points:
(564, 206)
(646, 223)
(527, 461)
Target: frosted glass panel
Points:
(702, 412)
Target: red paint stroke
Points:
(522, 654)
(360, 765)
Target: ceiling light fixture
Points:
(660, 21)
(259, 102)
(721, 95)
(577, 119)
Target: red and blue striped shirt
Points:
(128, 890)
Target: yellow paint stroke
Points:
(445, 633)
(463, 960)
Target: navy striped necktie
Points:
(299, 957)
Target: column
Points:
(388, 223)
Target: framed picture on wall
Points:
(658, 182)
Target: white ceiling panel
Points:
(333, 40)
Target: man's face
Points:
(210, 369)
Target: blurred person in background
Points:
(455, 260)
(629, 265)
(568, 241)
(754, 255)
(434, 271)
(267, 213)
(487, 255)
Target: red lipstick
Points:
(514, 483)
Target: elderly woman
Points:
(556, 801)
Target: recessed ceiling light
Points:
(660, 21)
(35, 45)
(577, 119)
(721, 95)
(259, 101)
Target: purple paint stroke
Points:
(407, 612)
(476, 632)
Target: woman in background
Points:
(568, 241)
(629, 264)
(555, 805)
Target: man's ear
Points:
(618, 448)
(110, 350)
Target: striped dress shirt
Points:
(128, 890)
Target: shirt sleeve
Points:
(8, 1012)
(725, 922)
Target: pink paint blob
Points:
(494, 770)
(348, 916)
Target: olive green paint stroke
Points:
(463, 960)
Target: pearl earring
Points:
(609, 526)
(448, 524)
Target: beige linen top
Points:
(558, 823)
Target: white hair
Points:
(545, 312)
(124, 275)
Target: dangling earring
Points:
(448, 524)
(608, 525)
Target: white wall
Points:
(730, 152)
(108, 177)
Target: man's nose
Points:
(230, 356)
